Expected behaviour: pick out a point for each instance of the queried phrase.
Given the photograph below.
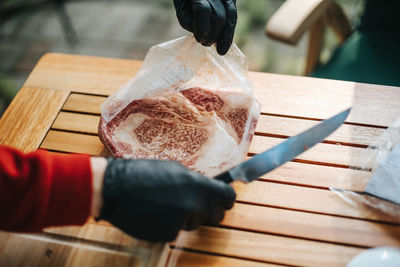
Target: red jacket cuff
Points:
(71, 190)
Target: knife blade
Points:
(276, 156)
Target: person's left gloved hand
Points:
(211, 21)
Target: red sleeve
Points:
(43, 189)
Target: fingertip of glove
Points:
(222, 49)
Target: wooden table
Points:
(288, 217)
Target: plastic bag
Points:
(382, 161)
(198, 107)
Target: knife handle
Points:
(224, 177)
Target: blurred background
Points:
(127, 29)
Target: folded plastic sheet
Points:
(385, 182)
(382, 191)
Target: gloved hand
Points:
(211, 21)
(153, 200)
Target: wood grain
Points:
(319, 176)
(80, 246)
(85, 74)
(192, 259)
(312, 226)
(84, 103)
(348, 134)
(322, 98)
(100, 233)
(266, 247)
(328, 154)
(73, 143)
(76, 122)
(278, 94)
(29, 116)
(305, 199)
(41, 253)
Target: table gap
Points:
(80, 112)
(316, 212)
(331, 142)
(89, 94)
(73, 131)
(312, 162)
(289, 236)
(318, 119)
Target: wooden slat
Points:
(104, 233)
(97, 232)
(322, 153)
(306, 199)
(312, 226)
(323, 98)
(279, 94)
(76, 122)
(86, 74)
(266, 247)
(319, 176)
(21, 251)
(348, 134)
(74, 143)
(191, 259)
(29, 116)
(84, 103)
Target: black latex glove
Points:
(153, 200)
(211, 21)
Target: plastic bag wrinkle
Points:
(169, 71)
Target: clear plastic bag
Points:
(382, 160)
(177, 79)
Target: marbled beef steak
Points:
(200, 128)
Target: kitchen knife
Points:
(267, 161)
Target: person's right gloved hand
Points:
(153, 200)
(211, 21)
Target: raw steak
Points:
(200, 128)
